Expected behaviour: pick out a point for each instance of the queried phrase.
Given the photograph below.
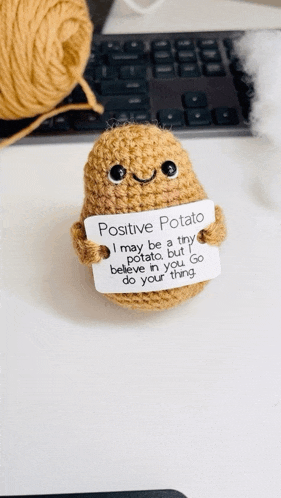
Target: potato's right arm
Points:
(215, 233)
(88, 252)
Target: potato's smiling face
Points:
(117, 173)
(138, 168)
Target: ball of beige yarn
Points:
(44, 47)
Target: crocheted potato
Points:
(138, 168)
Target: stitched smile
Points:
(146, 180)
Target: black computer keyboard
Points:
(191, 83)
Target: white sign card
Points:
(154, 250)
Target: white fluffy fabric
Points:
(260, 54)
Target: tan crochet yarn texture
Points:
(44, 48)
(140, 149)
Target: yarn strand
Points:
(54, 112)
(92, 101)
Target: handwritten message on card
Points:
(154, 250)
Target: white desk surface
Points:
(97, 398)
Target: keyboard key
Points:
(164, 71)
(210, 56)
(213, 69)
(186, 56)
(141, 116)
(161, 45)
(122, 58)
(136, 117)
(225, 116)
(89, 120)
(46, 126)
(207, 43)
(198, 117)
(132, 72)
(138, 102)
(194, 99)
(94, 59)
(123, 87)
(163, 57)
(189, 70)
(122, 117)
(61, 122)
(110, 47)
(171, 117)
(184, 44)
(135, 46)
(106, 73)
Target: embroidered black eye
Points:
(169, 169)
(117, 173)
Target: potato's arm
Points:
(215, 233)
(88, 252)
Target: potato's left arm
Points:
(215, 233)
